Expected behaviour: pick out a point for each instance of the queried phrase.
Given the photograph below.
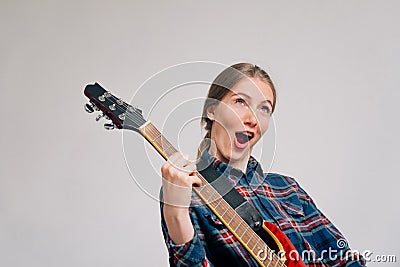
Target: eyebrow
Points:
(248, 97)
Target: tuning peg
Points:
(99, 116)
(109, 126)
(89, 107)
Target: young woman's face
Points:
(240, 119)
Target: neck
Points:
(240, 163)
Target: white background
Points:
(66, 196)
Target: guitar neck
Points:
(228, 216)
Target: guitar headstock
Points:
(121, 114)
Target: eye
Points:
(240, 101)
(266, 109)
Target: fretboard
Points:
(228, 216)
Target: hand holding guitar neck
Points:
(179, 176)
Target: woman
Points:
(236, 114)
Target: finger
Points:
(196, 180)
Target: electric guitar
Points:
(269, 246)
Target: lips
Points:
(242, 138)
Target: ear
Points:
(210, 112)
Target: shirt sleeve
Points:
(331, 246)
(192, 253)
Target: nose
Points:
(250, 118)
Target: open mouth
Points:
(242, 138)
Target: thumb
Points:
(196, 180)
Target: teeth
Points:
(248, 134)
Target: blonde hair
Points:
(222, 85)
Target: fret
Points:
(157, 139)
(216, 197)
(263, 252)
(240, 223)
(255, 245)
(277, 258)
(209, 193)
(150, 128)
(218, 203)
(201, 188)
(234, 215)
(211, 196)
(273, 258)
(222, 215)
(171, 150)
(244, 232)
(267, 255)
(269, 262)
(158, 136)
(277, 261)
(234, 224)
(250, 238)
(209, 189)
(166, 149)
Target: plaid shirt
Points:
(280, 200)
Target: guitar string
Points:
(139, 120)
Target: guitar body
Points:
(278, 241)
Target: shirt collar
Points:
(227, 170)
